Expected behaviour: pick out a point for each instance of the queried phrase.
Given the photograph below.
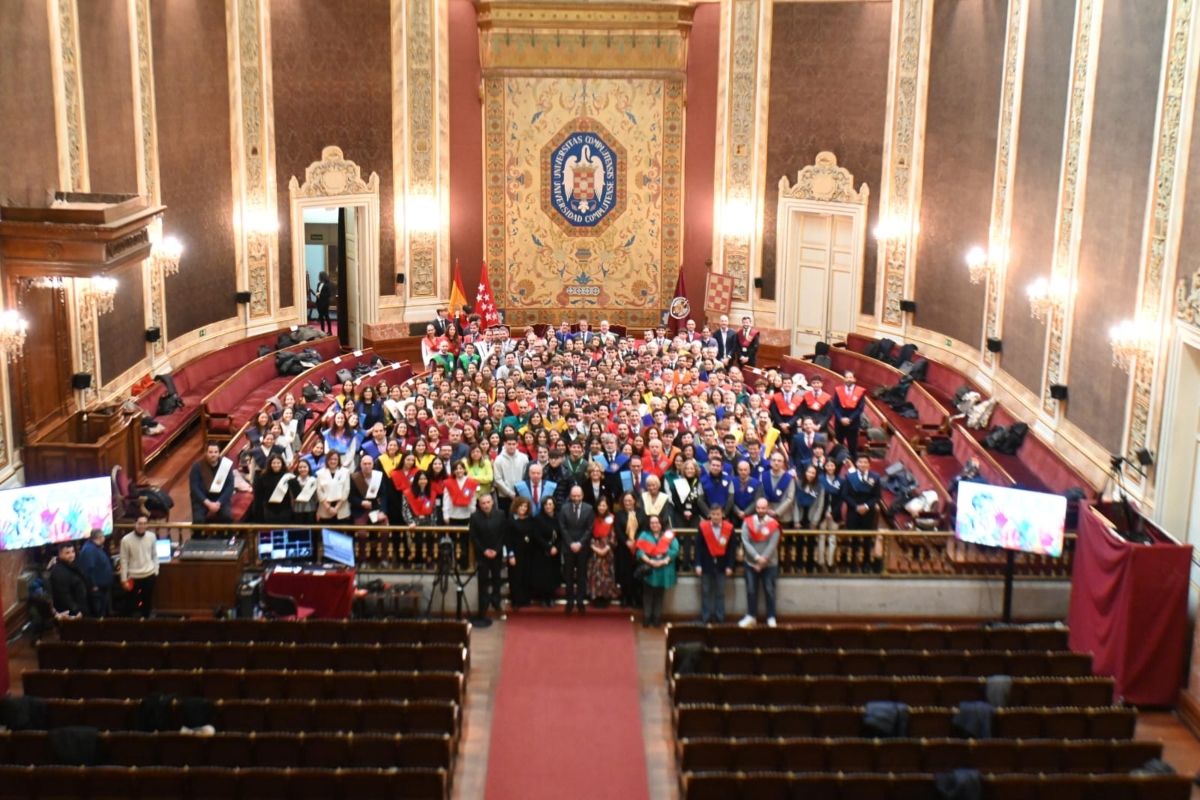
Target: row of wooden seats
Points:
(252, 630)
(855, 690)
(257, 684)
(885, 637)
(825, 786)
(219, 783)
(915, 755)
(312, 716)
(697, 720)
(949, 663)
(251, 655)
(237, 749)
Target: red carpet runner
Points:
(567, 721)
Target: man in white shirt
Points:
(507, 471)
(139, 566)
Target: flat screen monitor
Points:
(32, 516)
(1014, 519)
(285, 546)
(162, 549)
(338, 546)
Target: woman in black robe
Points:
(546, 566)
(628, 522)
(265, 484)
(520, 553)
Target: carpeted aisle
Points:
(567, 717)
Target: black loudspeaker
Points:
(81, 380)
(758, 283)
(242, 297)
(993, 345)
(1058, 391)
(1145, 458)
(153, 334)
(908, 305)
(399, 278)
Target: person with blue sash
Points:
(716, 490)
(745, 492)
(779, 487)
(862, 491)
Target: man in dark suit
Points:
(441, 322)
(803, 443)
(323, 298)
(746, 354)
(488, 528)
(575, 521)
(726, 340)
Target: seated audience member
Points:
(68, 587)
(97, 568)
(211, 487)
(139, 566)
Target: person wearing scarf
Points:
(316, 458)
(760, 551)
(369, 493)
(601, 572)
(810, 503)
(628, 522)
(655, 502)
(333, 489)
(460, 493)
(211, 486)
(714, 563)
(418, 500)
(862, 491)
(716, 490)
(271, 501)
(391, 458)
(656, 549)
(303, 492)
(684, 490)
(779, 488)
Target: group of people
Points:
(572, 456)
(83, 577)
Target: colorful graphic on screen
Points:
(54, 512)
(1015, 519)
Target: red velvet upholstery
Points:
(899, 450)
(872, 374)
(193, 381)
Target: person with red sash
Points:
(785, 407)
(746, 352)
(848, 403)
(657, 550)
(816, 403)
(418, 501)
(601, 575)
(760, 550)
(714, 563)
(459, 495)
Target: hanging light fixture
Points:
(978, 264)
(99, 293)
(167, 254)
(1045, 296)
(12, 334)
(1130, 340)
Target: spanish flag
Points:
(456, 308)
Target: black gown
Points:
(520, 546)
(546, 569)
(625, 562)
(265, 511)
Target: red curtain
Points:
(1129, 609)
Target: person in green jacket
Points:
(443, 362)
(469, 357)
(657, 549)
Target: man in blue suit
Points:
(535, 488)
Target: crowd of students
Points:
(573, 456)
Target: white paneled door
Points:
(819, 258)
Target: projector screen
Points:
(54, 512)
(1015, 519)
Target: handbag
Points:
(642, 572)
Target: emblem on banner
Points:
(583, 177)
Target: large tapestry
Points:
(584, 200)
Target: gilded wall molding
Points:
(146, 157)
(1007, 134)
(825, 181)
(908, 78)
(1071, 193)
(256, 217)
(423, 146)
(740, 103)
(1187, 299)
(70, 126)
(1160, 249)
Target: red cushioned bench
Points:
(902, 451)
(872, 374)
(194, 380)
(240, 396)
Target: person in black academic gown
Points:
(519, 546)
(546, 568)
(265, 484)
(628, 523)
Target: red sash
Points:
(659, 548)
(658, 467)
(603, 527)
(850, 399)
(744, 340)
(759, 534)
(716, 544)
(783, 406)
(402, 480)
(421, 506)
(461, 495)
(812, 401)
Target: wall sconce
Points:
(166, 254)
(737, 219)
(893, 229)
(1046, 295)
(422, 214)
(12, 334)
(259, 220)
(99, 293)
(1130, 340)
(978, 264)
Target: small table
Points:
(329, 592)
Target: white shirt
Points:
(334, 488)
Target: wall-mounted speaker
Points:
(1145, 458)
(994, 345)
(81, 380)
(399, 278)
(909, 306)
(242, 297)
(153, 334)
(758, 283)
(1058, 391)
